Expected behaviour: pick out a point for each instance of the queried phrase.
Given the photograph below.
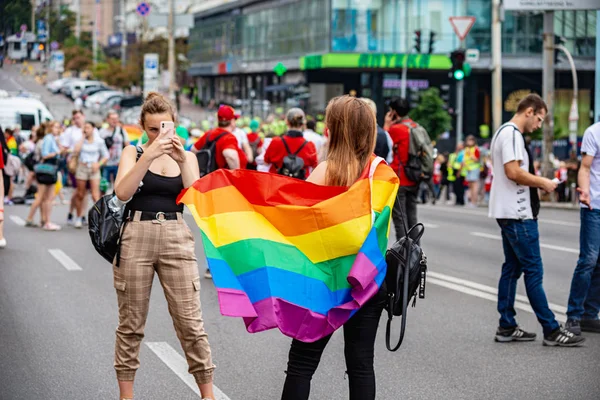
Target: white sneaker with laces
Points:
(2, 243)
(78, 223)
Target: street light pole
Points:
(407, 51)
(496, 65)
(574, 113)
(548, 92)
(123, 34)
(460, 90)
(171, 62)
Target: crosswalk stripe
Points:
(542, 245)
(179, 366)
(64, 259)
(17, 220)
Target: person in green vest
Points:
(471, 169)
(459, 181)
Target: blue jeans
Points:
(521, 243)
(108, 171)
(584, 299)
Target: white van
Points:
(23, 111)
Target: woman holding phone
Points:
(92, 155)
(156, 238)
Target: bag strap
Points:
(300, 148)
(286, 146)
(210, 142)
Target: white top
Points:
(93, 152)
(120, 139)
(591, 147)
(508, 199)
(73, 135)
(260, 159)
(241, 136)
(314, 138)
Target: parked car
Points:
(107, 103)
(57, 85)
(129, 102)
(92, 90)
(73, 89)
(99, 97)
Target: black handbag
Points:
(45, 173)
(406, 276)
(106, 223)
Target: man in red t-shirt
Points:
(255, 142)
(398, 124)
(227, 152)
(294, 139)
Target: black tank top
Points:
(158, 193)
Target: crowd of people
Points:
(149, 177)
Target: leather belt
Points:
(158, 216)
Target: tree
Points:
(13, 14)
(430, 113)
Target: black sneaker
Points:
(573, 326)
(563, 338)
(590, 325)
(515, 334)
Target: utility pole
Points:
(95, 33)
(496, 65)
(33, 16)
(407, 51)
(171, 28)
(460, 90)
(548, 93)
(574, 113)
(123, 34)
(78, 22)
(47, 48)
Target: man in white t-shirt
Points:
(243, 144)
(514, 203)
(584, 298)
(313, 137)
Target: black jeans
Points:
(459, 190)
(407, 199)
(359, 349)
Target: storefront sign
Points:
(551, 5)
(375, 60)
(414, 84)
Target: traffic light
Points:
(458, 64)
(431, 41)
(558, 40)
(41, 47)
(418, 41)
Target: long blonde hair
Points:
(352, 134)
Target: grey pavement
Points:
(57, 329)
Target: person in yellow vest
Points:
(455, 164)
(471, 169)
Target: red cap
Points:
(226, 113)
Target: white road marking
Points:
(542, 245)
(177, 363)
(428, 225)
(64, 259)
(487, 289)
(17, 220)
(485, 214)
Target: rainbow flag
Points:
(290, 254)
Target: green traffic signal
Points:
(459, 74)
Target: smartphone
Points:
(167, 126)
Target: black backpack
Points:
(293, 165)
(206, 155)
(106, 221)
(109, 141)
(406, 276)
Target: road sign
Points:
(54, 45)
(161, 20)
(24, 27)
(462, 26)
(151, 74)
(522, 5)
(279, 69)
(472, 55)
(143, 9)
(58, 61)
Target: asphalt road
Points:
(58, 317)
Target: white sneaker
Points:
(207, 274)
(78, 223)
(2, 243)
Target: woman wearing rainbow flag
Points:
(306, 257)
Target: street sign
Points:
(143, 9)
(54, 45)
(472, 55)
(58, 60)
(23, 27)
(462, 26)
(523, 5)
(161, 20)
(151, 74)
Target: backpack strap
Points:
(210, 142)
(286, 146)
(300, 148)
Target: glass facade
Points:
(263, 32)
(279, 29)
